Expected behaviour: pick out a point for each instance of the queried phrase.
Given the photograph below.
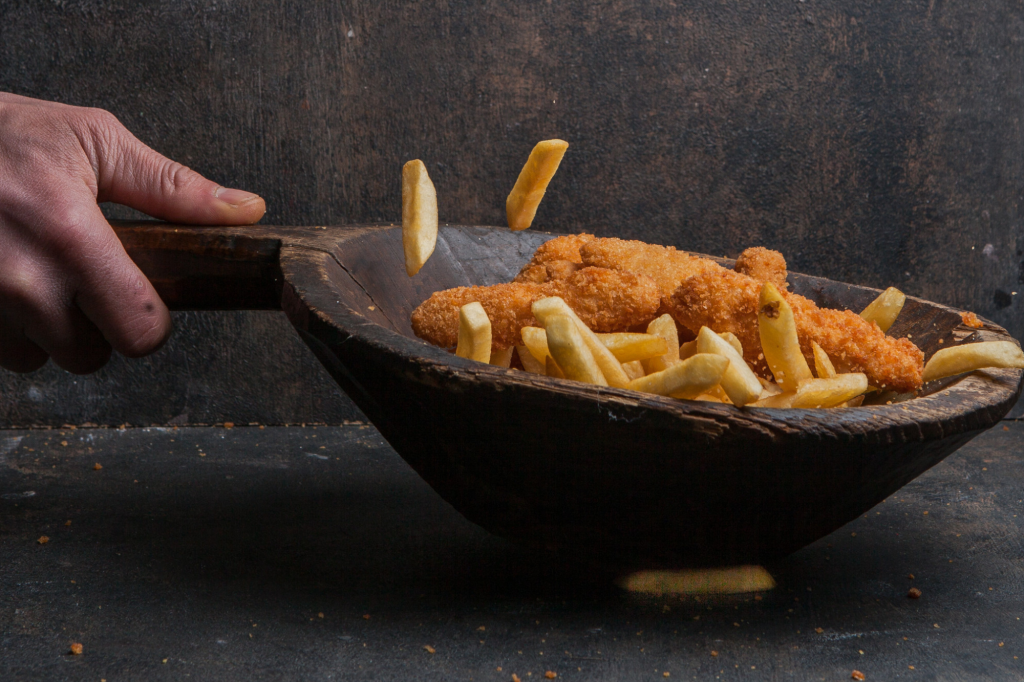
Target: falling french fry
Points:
(523, 200)
(419, 216)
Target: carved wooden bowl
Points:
(631, 478)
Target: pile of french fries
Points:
(710, 368)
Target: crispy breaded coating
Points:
(560, 253)
(606, 301)
(764, 265)
(664, 264)
(726, 301)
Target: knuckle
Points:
(175, 177)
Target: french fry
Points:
(502, 358)
(784, 399)
(530, 363)
(830, 392)
(768, 389)
(822, 364)
(536, 341)
(813, 393)
(629, 347)
(969, 357)
(733, 341)
(665, 327)
(739, 381)
(633, 370)
(779, 341)
(474, 333)
(885, 309)
(610, 367)
(523, 200)
(570, 351)
(686, 379)
(552, 369)
(688, 350)
(419, 216)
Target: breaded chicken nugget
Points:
(764, 265)
(726, 301)
(606, 301)
(556, 258)
(664, 264)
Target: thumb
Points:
(130, 173)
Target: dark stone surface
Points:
(210, 554)
(877, 143)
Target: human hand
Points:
(68, 290)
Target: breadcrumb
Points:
(971, 320)
(76, 649)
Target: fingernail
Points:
(234, 197)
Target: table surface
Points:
(316, 553)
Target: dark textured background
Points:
(873, 142)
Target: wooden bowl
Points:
(635, 479)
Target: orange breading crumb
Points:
(726, 301)
(856, 675)
(43, 539)
(971, 320)
(914, 593)
(97, 466)
(605, 300)
(550, 675)
(764, 265)
(76, 649)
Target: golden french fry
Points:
(734, 341)
(718, 393)
(779, 341)
(536, 340)
(665, 327)
(474, 333)
(633, 370)
(552, 369)
(629, 347)
(822, 364)
(712, 397)
(567, 347)
(784, 399)
(419, 216)
(688, 350)
(686, 379)
(823, 393)
(610, 367)
(501, 358)
(972, 356)
(830, 392)
(885, 309)
(739, 381)
(530, 363)
(523, 200)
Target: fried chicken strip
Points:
(555, 259)
(726, 301)
(606, 301)
(764, 265)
